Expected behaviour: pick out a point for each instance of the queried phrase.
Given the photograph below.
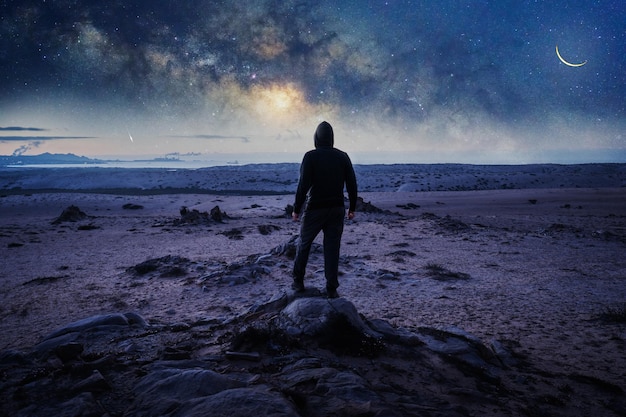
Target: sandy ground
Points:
(536, 267)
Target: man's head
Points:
(324, 135)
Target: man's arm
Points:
(304, 184)
(351, 187)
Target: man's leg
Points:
(312, 222)
(333, 229)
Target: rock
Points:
(238, 273)
(50, 345)
(453, 342)
(246, 356)
(293, 355)
(135, 319)
(88, 227)
(400, 335)
(183, 383)
(332, 392)
(366, 207)
(94, 383)
(346, 391)
(161, 391)
(503, 354)
(64, 341)
(217, 214)
(266, 229)
(69, 351)
(309, 316)
(408, 206)
(234, 234)
(288, 248)
(117, 319)
(276, 303)
(240, 402)
(167, 266)
(13, 357)
(195, 216)
(452, 225)
(131, 206)
(192, 216)
(70, 214)
(84, 405)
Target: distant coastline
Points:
(282, 178)
(196, 160)
(46, 159)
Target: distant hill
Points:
(46, 158)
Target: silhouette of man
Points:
(320, 198)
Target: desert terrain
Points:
(524, 262)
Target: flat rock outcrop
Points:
(294, 355)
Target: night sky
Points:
(406, 81)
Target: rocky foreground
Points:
(293, 355)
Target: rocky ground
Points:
(491, 303)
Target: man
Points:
(323, 173)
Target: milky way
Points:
(416, 76)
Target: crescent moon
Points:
(569, 64)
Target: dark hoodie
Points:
(323, 173)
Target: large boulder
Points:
(67, 341)
(310, 316)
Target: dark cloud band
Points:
(41, 138)
(21, 129)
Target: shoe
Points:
(297, 286)
(331, 293)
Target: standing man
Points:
(323, 173)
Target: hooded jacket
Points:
(323, 173)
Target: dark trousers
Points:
(330, 221)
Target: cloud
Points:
(21, 129)
(214, 137)
(33, 141)
(25, 148)
(41, 138)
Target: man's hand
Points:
(295, 216)
(350, 215)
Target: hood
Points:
(324, 135)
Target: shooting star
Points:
(130, 136)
